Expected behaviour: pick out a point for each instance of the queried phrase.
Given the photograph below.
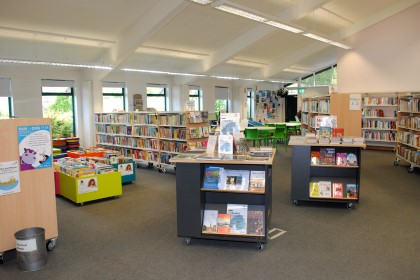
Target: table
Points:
(288, 124)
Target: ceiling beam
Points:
(301, 9)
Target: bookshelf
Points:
(379, 116)
(312, 107)
(306, 173)
(193, 199)
(408, 131)
(197, 130)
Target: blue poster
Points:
(34, 147)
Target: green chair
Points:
(281, 135)
(252, 134)
(270, 124)
(266, 135)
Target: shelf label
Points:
(355, 102)
(26, 245)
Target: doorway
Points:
(291, 107)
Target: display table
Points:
(193, 200)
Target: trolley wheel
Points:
(51, 244)
(187, 240)
(164, 170)
(1, 259)
(350, 205)
(150, 164)
(396, 162)
(295, 202)
(261, 246)
(410, 169)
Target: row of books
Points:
(409, 154)
(409, 138)
(328, 156)
(176, 119)
(198, 117)
(172, 132)
(199, 132)
(328, 189)
(238, 180)
(409, 122)
(378, 124)
(236, 220)
(368, 100)
(81, 167)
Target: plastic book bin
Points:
(31, 250)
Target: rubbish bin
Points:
(30, 249)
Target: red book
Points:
(337, 132)
(223, 223)
(338, 190)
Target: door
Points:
(291, 107)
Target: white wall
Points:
(385, 57)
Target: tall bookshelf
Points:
(197, 130)
(312, 107)
(379, 116)
(408, 131)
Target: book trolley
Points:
(305, 173)
(34, 205)
(193, 200)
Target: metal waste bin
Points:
(30, 248)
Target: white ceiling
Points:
(181, 36)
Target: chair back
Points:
(270, 125)
(251, 133)
(280, 131)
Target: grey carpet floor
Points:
(135, 236)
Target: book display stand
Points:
(204, 210)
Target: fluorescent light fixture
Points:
(340, 45)
(316, 37)
(283, 26)
(162, 72)
(202, 2)
(46, 63)
(238, 10)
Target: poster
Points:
(125, 168)
(87, 185)
(34, 147)
(355, 102)
(229, 123)
(9, 177)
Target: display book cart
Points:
(326, 173)
(312, 107)
(408, 131)
(34, 205)
(194, 199)
(379, 115)
(146, 137)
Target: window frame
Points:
(164, 95)
(122, 94)
(198, 95)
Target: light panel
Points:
(283, 26)
(60, 64)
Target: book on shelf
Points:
(255, 223)
(313, 189)
(337, 132)
(324, 140)
(294, 139)
(347, 140)
(237, 180)
(206, 156)
(327, 156)
(315, 157)
(351, 191)
(229, 123)
(335, 140)
(223, 223)
(261, 152)
(205, 131)
(210, 218)
(324, 132)
(211, 144)
(257, 181)
(351, 159)
(324, 189)
(337, 190)
(225, 144)
(238, 218)
(212, 177)
(358, 140)
(240, 143)
(341, 159)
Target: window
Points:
(58, 104)
(308, 80)
(249, 102)
(5, 98)
(222, 101)
(195, 94)
(113, 96)
(327, 76)
(156, 97)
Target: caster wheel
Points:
(261, 246)
(410, 169)
(349, 205)
(51, 245)
(295, 202)
(187, 240)
(150, 165)
(1, 259)
(397, 162)
(81, 204)
(160, 170)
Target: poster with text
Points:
(34, 147)
(9, 177)
(125, 168)
(355, 102)
(87, 185)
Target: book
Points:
(225, 144)
(238, 218)
(337, 190)
(210, 221)
(229, 123)
(324, 132)
(223, 223)
(236, 180)
(351, 191)
(327, 156)
(205, 156)
(315, 157)
(257, 181)
(212, 177)
(255, 223)
(337, 132)
(351, 159)
(341, 159)
(313, 189)
(324, 188)
(205, 131)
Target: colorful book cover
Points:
(315, 157)
(324, 132)
(324, 188)
(257, 181)
(225, 144)
(338, 190)
(327, 156)
(255, 223)
(341, 159)
(351, 191)
(236, 180)
(337, 132)
(212, 177)
(238, 218)
(351, 159)
(223, 223)
(210, 221)
(313, 189)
